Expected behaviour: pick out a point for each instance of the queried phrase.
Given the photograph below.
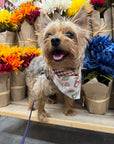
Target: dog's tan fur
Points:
(75, 49)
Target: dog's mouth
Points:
(59, 55)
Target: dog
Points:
(62, 44)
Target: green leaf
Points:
(91, 75)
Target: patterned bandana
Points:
(69, 83)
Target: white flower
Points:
(51, 5)
(19, 2)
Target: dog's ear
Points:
(44, 19)
(81, 17)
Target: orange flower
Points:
(27, 8)
(14, 61)
(19, 14)
(17, 17)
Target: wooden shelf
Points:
(82, 119)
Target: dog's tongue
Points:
(58, 56)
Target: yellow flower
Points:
(5, 21)
(38, 51)
(75, 6)
(5, 16)
(30, 50)
(7, 50)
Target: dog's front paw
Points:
(42, 116)
(70, 112)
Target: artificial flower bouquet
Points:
(18, 85)
(14, 58)
(102, 17)
(100, 5)
(9, 62)
(7, 28)
(26, 16)
(51, 7)
(13, 61)
(98, 73)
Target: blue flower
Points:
(99, 55)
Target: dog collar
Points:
(69, 83)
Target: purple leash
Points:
(25, 133)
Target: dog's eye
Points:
(70, 35)
(49, 34)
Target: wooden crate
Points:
(82, 119)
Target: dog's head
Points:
(62, 42)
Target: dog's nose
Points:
(55, 41)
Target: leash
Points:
(25, 133)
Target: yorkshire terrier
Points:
(62, 44)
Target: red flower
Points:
(33, 15)
(97, 3)
(26, 60)
(5, 68)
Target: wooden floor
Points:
(83, 119)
